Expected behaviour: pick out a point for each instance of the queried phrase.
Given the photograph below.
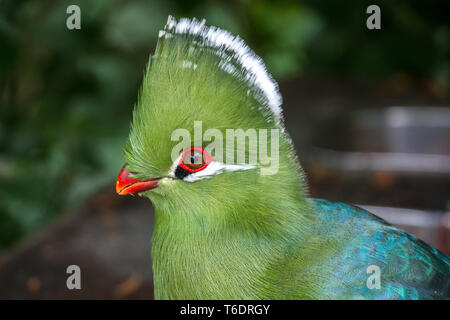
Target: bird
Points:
(229, 227)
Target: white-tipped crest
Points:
(232, 50)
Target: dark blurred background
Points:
(368, 111)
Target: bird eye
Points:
(195, 159)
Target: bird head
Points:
(207, 130)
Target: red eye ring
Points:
(206, 159)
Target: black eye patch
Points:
(181, 173)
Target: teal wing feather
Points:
(408, 267)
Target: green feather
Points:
(240, 234)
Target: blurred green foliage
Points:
(66, 96)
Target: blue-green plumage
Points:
(409, 268)
(228, 231)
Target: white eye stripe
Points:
(213, 168)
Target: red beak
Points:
(126, 184)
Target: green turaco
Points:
(228, 226)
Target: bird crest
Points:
(199, 74)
